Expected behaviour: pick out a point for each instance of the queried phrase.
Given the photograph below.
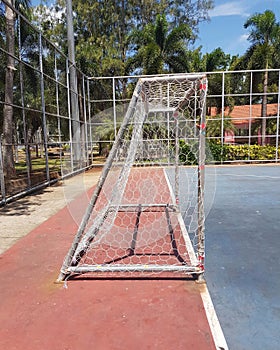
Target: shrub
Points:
(219, 153)
(188, 153)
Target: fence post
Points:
(2, 177)
(278, 122)
(223, 108)
(58, 110)
(89, 121)
(114, 107)
(85, 123)
(26, 144)
(43, 106)
(250, 120)
(69, 115)
(75, 119)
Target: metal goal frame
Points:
(186, 90)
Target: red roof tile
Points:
(242, 114)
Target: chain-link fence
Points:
(45, 138)
(242, 114)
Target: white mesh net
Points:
(144, 204)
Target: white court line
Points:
(214, 323)
(247, 175)
(185, 234)
(212, 318)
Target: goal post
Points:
(146, 214)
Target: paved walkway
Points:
(20, 217)
(36, 313)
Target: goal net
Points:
(146, 214)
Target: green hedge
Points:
(217, 152)
(241, 152)
(188, 153)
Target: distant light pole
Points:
(75, 119)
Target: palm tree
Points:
(218, 60)
(264, 36)
(160, 50)
(216, 124)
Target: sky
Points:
(226, 26)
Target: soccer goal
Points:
(146, 214)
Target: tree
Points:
(190, 12)
(264, 37)
(217, 124)
(159, 49)
(102, 27)
(8, 115)
(216, 61)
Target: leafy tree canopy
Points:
(103, 28)
(159, 49)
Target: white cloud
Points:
(239, 45)
(243, 38)
(233, 8)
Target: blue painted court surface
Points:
(243, 253)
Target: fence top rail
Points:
(177, 77)
(153, 76)
(180, 74)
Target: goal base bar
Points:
(82, 269)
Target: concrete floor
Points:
(20, 217)
(103, 314)
(242, 245)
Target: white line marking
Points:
(189, 246)
(216, 329)
(214, 324)
(247, 175)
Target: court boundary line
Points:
(189, 246)
(214, 323)
(254, 176)
(212, 318)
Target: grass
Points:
(39, 164)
